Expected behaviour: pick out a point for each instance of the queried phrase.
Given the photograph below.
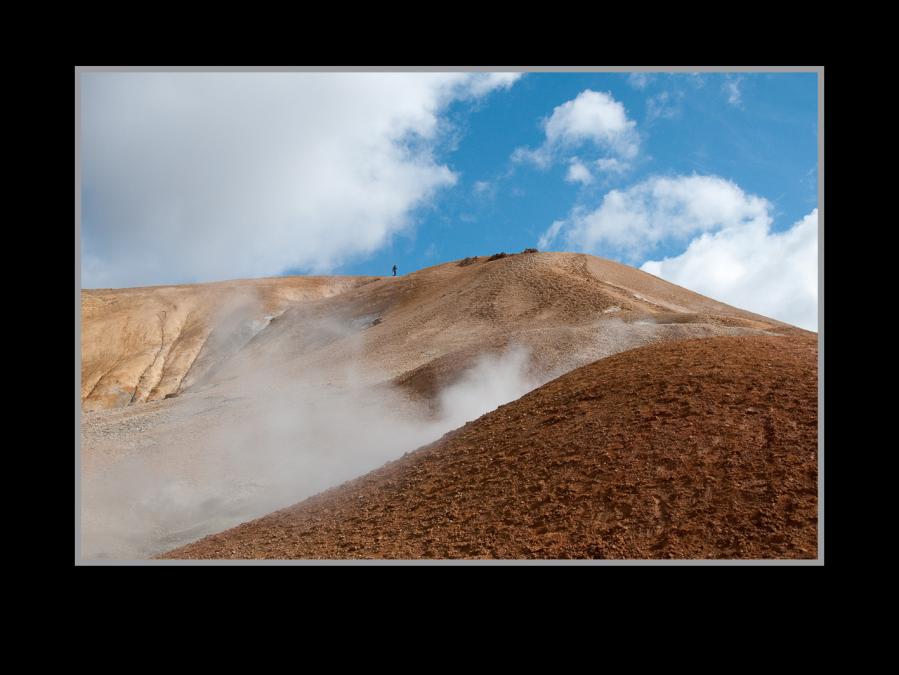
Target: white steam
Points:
(229, 452)
(292, 414)
(493, 381)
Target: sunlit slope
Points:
(424, 328)
(140, 344)
(421, 328)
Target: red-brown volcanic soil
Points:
(703, 448)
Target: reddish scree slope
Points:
(694, 449)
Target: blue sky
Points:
(767, 144)
(708, 180)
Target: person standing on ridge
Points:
(394, 270)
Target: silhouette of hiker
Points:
(394, 270)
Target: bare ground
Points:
(704, 448)
(178, 382)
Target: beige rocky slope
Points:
(424, 328)
(146, 343)
(142, 344)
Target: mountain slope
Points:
(694, 449)
(142, 344)
(417, 330)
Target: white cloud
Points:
(541, 156)
(731, 88)
(639, 80)
(485, 190)
(612, 165)
(729, 252)
(774, 274)
(592, 118)
(664, 105)
(578, 173)
(204, 176)
(550, 235)
(810, 179)
(483, 83)
(632, 222)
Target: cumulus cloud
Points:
(630, 223)
(203, 176)
(729, 252)
(593, 116)
(593, 119)
(578, 173)
(771, 273)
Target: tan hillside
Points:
(141, 344)
(146, 343)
